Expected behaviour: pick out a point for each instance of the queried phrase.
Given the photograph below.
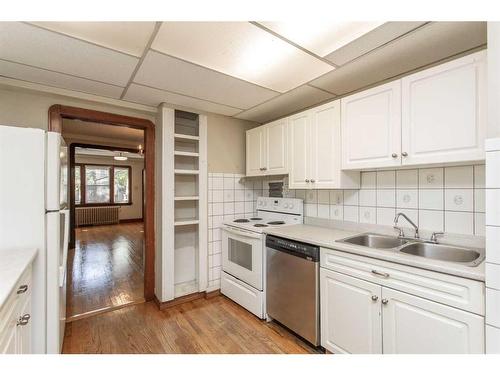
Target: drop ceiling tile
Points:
(181, 77)
(33, 46)
(242, 50)
(321, 36)
(154, 97)
(426, 45)
(290, 102)
(45, 77)
(373, 39)
(127, 37)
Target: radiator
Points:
(97, 215)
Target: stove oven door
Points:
(242, 255)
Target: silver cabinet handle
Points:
(23, 320)
(22, 289)
(394, 155)
(307, 180)
(313, 180)
(378, 273)
(405, 154)
(264, 169)
(374, 298)
(385, 301)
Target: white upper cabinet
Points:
(315, 150)
(299, 153)
(256, 151)
(371, 128)
(266, 149)
(413, 325)
(276, 136)
(444, 112)
(437, 115)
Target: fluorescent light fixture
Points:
(120, 157)
(321, 36)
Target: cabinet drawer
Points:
(465, 294)
(8, 311)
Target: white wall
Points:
(127, 212)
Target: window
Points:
(102, 184)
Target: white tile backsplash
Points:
(459, 200)
(407, 198)
(385, 216)
(386, 198)
(337, 197)
(431, 178)
(431, 199)
(431, 220)
(324, 197)
(336, 212)
(459, 222)
(459, 177)
(407, 179)
(351, 197)
(386, 179)
(367, 215)
(368, 198)
(368, 180)
(351, 213)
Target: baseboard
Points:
(184, 299)
(137, 220)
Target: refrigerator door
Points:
(57, 172)
(57, 258)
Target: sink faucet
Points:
(401, 234)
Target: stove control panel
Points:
(288, 205)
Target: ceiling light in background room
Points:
(120, 157)
(321, 37)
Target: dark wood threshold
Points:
(102, 311)
(137, 220)
(187, 298)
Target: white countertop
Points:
(12, 265)
(326, 237)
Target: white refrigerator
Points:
(34, 213)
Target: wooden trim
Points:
(56, 114)
(187, 298)
(135, 220)
(102, 311)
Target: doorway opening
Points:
(111, 198)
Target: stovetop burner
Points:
(260, 225)
(255, 218)
(241, 221)
(277, 222)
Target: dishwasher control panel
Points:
(300, 249)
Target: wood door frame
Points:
(59, 112)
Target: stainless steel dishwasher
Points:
(292, 290)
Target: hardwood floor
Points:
(215, 325)
(105, 269)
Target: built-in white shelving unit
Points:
(184, 227)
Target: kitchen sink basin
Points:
(377, 241)
(447, 253)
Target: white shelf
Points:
(186, 171)
(187, 198)
(188, 137)
(186, 153)
(180, 222)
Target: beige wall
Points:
(226, 143)
(133, 211)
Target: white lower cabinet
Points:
(362, 317)
(351, 319)
(413, 325)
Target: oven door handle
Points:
(240, 232)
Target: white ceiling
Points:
(257, 71)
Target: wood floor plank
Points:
(215, 325)
(106, 268)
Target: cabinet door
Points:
(276, 145)
(298, 151)
(325, 145)
(413, 325)
(8, 343)
(24, 331)
(371, 127)
(255, 151)
(350, 314)
(444, 112)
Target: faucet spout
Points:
(396, 219)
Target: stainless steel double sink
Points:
(448, 253)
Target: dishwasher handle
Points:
(295, 248)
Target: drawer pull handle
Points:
(374, 298)
(378, 273)
(385, 301)
(23, 320)
(22, 289)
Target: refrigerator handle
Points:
(62, 267)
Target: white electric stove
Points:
(243, 250)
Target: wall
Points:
(226, 143)
(133, 211)
(449, 199)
